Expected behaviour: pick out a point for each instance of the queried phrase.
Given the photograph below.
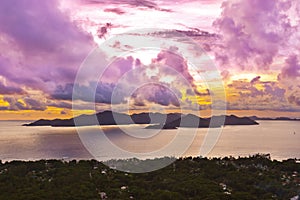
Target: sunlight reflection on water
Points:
(27, 143)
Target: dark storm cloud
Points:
(102, 94)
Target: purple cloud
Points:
(252, 32)
(41, 47)
(268, 96)
(155, 93)
(10, 90)
(118, 11)
(255, 80)
(289, 77)
(291, 68)
(63, 92)
(172, 59)
(60, 104)
(39, 27)
(118, 68)
(102, 31)
(102, 94)
(29, 104)
(294, 99)
(132, 3)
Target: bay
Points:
(281, 139)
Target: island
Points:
(193, 121)
(155, 120)
(276, 119)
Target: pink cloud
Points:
(294, 99)
(118, 11)
(253, 32)
(268, 96)
(291, 69)
(45, 46)
(155, 93)
(4, 89)
(118, 68)
(38, 27)
(289, 78)
(133, 3)
(102, 31)
(171, 58)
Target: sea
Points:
(280, 139)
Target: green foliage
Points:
(255, 177)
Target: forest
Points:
(253, 177)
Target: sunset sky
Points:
(254, 45)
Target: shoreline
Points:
(68, 159)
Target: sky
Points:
(249, 47)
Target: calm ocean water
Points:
(279, 138)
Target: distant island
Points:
(277, 118)
(171, 120)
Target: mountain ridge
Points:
(164, 121)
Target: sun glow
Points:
(3, 103)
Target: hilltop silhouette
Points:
(155, 120)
